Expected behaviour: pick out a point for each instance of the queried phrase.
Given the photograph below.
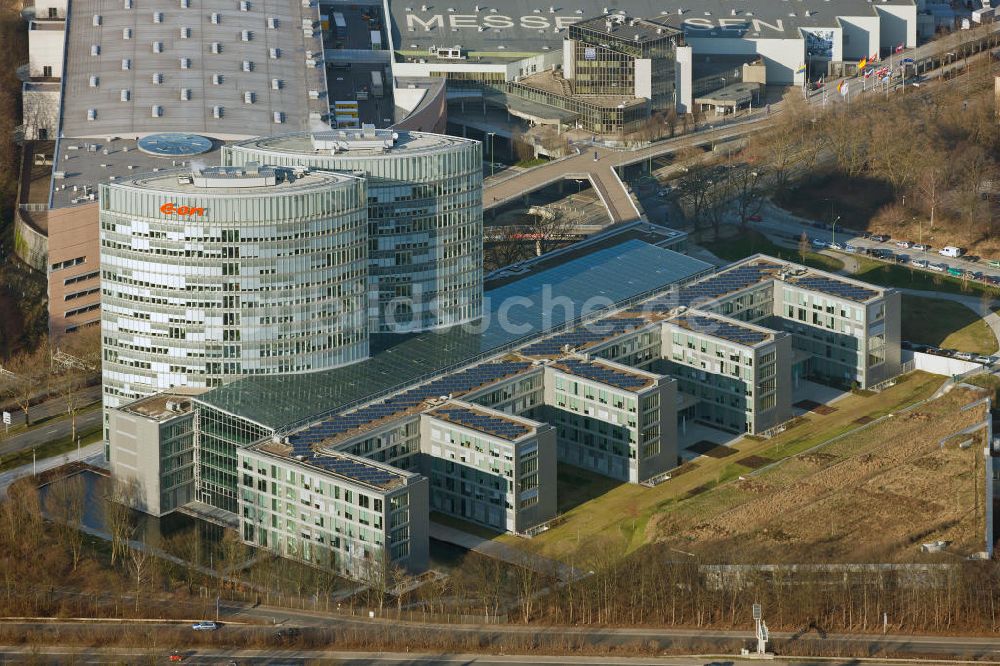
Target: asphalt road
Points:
(46, 433)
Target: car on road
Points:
(919, 263)
(819, 242)
(955, 272)
(205, 625)
(993, 263)
(951, 251)
(965, 356)
(880, 253)
(881, 238)
(905, 244)
(176, 656)
(923, 247)
(849, 248)
(756, 217)
(992, 279)
(835, 246)
(866, 234)
(985, 360)
(974, 275)
(940, 268)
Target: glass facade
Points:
(425, 218)
(246, 280)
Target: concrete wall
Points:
(898, 25)
(781, 56)
(860, 38)
(135, 456)
(73, 234)
(667, 458)
(42, 8)
(420, 512)
(941, 365)
(31, 245)
(682, 73)
(429, 114)
(40, 109)
(45, 48)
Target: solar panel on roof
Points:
(604, 374)
(837, 288)
(721, 329)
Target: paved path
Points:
(501, 551)
(92, 454)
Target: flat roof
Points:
(487, 421)
(724, 328)
(83, 164)
(601, 279)
(634, 28)
(630, 380)
(162, 406)
(184, 181)
(522, 26)
(303, 143)
(828, 284)
(123, 48)
(343, 465)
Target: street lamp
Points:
(834, 230)
(492, 161)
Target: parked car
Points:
(965, 356)
(880, 253)
(985, 360)
(955, 272)
(902, 258)
(940, 268)
(923, 247)
(205, 625)
(835, 246)
(919, 263)
(850, 248)
(866, 234)
(904, 244)
(881, 238)
(819, 242)
(994, 263)
(973, 258)
(951, 251)
(993, 279)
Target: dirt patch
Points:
(754, 462)
(864, 420)
(711, 449)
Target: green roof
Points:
(610, 275)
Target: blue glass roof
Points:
(601, 278)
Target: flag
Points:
(862, 63)
(842, 87)
(801, 69)
(873, 57)
(899, 48)
(868, 73)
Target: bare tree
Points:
(803, 246)
(747, 184)
(27, 379)
(139, 564)
(119, 518)
(65, 503)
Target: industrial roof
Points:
(186, 181)
(135, 68)
(600, 279)
(303, 143)
(522, 26)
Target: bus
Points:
(377, 90)
(339, 25)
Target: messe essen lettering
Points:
(184, 211)
(538, 22)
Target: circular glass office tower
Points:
(425, 216)
(218, 273)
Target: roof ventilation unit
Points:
(126, 64)
(157, 47)
(126, 33)
(125, 95)
(185, 63)
(216, 111)
(313, 94)
(157, 17)
(156, 111)
(95, 49)
(185, 33)
(127, 4)
(97, 20)
(275, 84)
(216, 48)
(185, 94)
(279, 117)
(91, 114)
(275, 54)
(185, 4)
(157, 78)
(247, 66)
(216, 79)
(244, 6)
(245, 35)
(272, 23)
(248, 97)
(216, 18)
(94, 81)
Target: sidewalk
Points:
(92, 454)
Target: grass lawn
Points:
(894, 275)
(527, 164)
(54, 447)
(622, 513)
(750, 242)
(933, 321)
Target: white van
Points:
(951, 251)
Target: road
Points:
(47, 432)
(55, 406)
(59, 655)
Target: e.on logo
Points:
(186, 211)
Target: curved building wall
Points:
(425, 222)
(264, 280)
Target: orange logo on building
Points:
(186, 211)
